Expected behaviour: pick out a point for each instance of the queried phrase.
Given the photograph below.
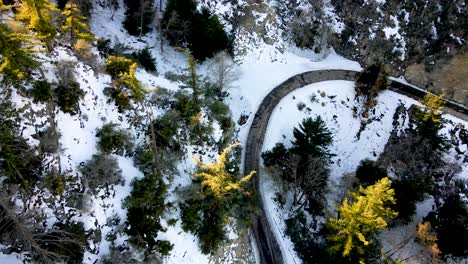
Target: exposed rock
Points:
(416, 74)
(446, 76)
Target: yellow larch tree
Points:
(38, 15)
(75, 23)
(361, 217)
(217, 179)
(433, 104)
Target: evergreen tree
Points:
(221, 193)
(201, 32)
(360, 219)
(75, 23)
(145, 208)
(138, 16)
(429, 121)
(312, 138)
(450, 222)
(208, 36)
(38, 15)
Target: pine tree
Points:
(217, 180)
(38, 15)
(361, 218)
(146, 206)
(75, 23)
(312, 138)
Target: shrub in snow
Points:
(113, 140)
(83, 51)
(121, 99)
(369, 172)
(301, 106)
(116, 66)
(104, 47)
(100, 170)
(166, 130)
(68, 97)
(145, 59)
(48, 140)
(41, 91)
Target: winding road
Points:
(268, 248)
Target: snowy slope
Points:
(262, 67)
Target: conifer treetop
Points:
(433, 104)
(218, 179)
(37, 14)
(75, 23)
(360, 218)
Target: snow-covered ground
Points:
(262, 67)
(333, 102)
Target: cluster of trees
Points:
(66, 94)
(304, 166)
(201, 32)
(138, 16)
(414, 157)
(41, 17)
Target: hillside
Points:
(124, 126)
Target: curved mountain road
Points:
(268, 247)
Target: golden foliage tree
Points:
(428, 238)
(217, 179)
(38, 14)
(433, 104)
(15, 50)
(75, 23)
(128, 80)
(361, 217)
